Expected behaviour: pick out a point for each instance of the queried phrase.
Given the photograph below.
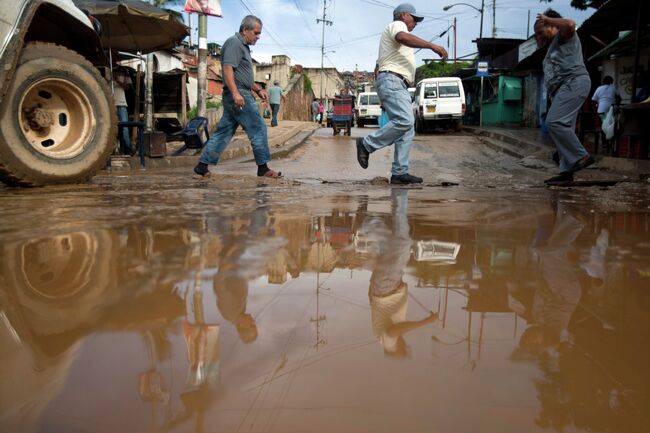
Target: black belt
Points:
(400, 76)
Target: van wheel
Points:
(419, 128)
(360, 123)
(57, 120)
(458, 125)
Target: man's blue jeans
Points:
(396, 99)
(274, 113)
(249, 118)
(125, 141)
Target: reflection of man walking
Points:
(396, 67)
(388, 293)
(275, 97)
(239, 106)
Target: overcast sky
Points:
(290, 27)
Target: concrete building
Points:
(331, 78)
(279, 69)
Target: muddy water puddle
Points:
(287, 310)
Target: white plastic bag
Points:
(608, 124)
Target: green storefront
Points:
(502, 98)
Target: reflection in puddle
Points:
(363, 313)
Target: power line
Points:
(268, 30)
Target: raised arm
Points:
(566, 27)
(413, 41)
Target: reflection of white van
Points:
(368, 108)
(439, 101)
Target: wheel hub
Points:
(38, 119)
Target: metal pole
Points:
(637, 50)
(454, 40)
(528, 25)
(202, 76)
(480, 35)
(322, 44)
(480, 102)
(148, 92)
(494, 18)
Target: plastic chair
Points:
(195, 134)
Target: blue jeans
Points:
(399, 131)
(249, 118)
(274, 113)
(125, 141)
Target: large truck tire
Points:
(57, 120)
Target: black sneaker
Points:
(362, 153)
(563, 177)
(404, 179)
(201, 169)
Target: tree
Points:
(176, 14)
(439, 69)
(577, 4)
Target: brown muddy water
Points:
(135, 305)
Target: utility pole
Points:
(148, 93)
(494, 18)
(480, 33)
(454, 40)
(528, 25)
(325, 22)
(202, 75)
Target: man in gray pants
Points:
(568, 85)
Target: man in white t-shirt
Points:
(604, 96)
(121, 81)
(396, 73)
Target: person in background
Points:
(121, 81)
(604, 96)
(395, 73)
(321, 111)
(314, 110)
(275, 97)
(239, 106)
(568, 84)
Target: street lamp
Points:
(446, 8)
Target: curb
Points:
(239, 147)
(640, 167)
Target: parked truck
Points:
(57, 117)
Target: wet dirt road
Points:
(327, 302)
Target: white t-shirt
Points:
(604, 96)
(120, 79)
(394, 56)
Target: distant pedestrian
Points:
(321, 111)
(276, 95)
(396, 72)
(567, 83)
(314, 110)
(604, 96)
(239, 107)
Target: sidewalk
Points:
(521, 142)
(282, 138)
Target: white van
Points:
(368, 108)
(439, 101)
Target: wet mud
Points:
(156, 302)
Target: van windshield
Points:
(449, 90)
(430, 91)
(370, 100)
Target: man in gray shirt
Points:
(568, 84)
(275, 97)
(239, 106)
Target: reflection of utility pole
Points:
(319, 318)
(322, 45)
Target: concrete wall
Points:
(332, 81)
(297, 100)
(279, 69)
